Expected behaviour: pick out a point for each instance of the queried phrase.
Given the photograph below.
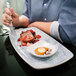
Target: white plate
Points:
(61, 56)
(42, 43)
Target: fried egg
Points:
(41, 50)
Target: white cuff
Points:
(23, 16)
(54, 32)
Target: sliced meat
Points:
(27, 36)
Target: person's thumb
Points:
(13, 13)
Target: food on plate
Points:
(28, 37)
(38, 36)
(42, 51)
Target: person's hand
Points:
(6, 17)
(44, 26)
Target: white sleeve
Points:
(23, 16)
(54, 32)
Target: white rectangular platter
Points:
(61, 56)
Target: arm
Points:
(23, 21)
(44, 26)
(66, 30)
(48, 27)
(67, 21)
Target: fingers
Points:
(10, 12)
(7, 11)
(7, 24)
(13, 13)
(30, 25)
(6, 19)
